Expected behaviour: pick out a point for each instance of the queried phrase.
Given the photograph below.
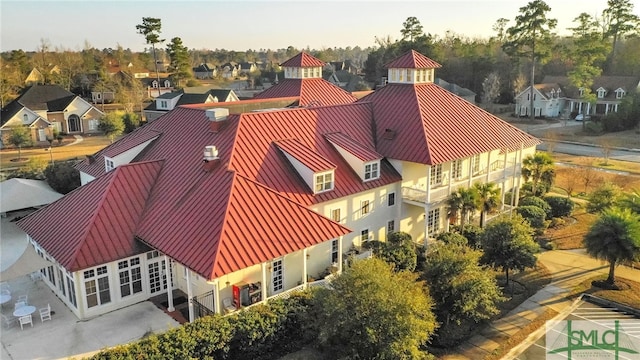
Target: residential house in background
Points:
(247, 67)
(205, 71)
(35, 76)
(46, 107)
(187, 96)
(233, 209)
(153, 88)
(230, 70)
(556, 96)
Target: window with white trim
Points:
(364, 236)
(433, 221)
(93, 124)
(372, 170)
(456, 169)
(619, 94)
(334, 251)
(475, 167)
(96, 286)
(130, 275)
(163, 104)
(391, 226)
(167, 83)
(335, 215)
(277, 272)
(365, 207)
(72, 290)
(108, 164)
(436, 175)
(25, 117)
(581, 92)
(391, 199)
(323, 182)
(602, 93)
(154, 84)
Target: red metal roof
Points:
(412, 60)
(312, 92)
(353, 147)
(95, 223)
(255, 157)
(303, 60)
(426, 124)
(311, 159)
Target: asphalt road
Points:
(591, 150)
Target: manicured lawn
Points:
(629, 296)
(89, 145)
(527, 284)
(570, 235)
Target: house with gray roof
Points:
(556, 95)
(187, 96)
(43, 108)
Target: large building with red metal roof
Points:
(236, 207)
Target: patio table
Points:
(24, 311)
(4, 298)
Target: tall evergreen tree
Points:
(621, 20)
(412, 29)
(531, 37)
(180, 65)
(150, 29)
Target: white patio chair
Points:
(45, 313)
(19, 304)
(23, 298)
(8, 321)
(5, 287)
(228, 305)
(5, 292)
(24, 320)
(35, 276)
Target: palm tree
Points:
(614, 237)
(538, 168)
(488, 199)
(469, 200)
(454, 204)
(631, 201)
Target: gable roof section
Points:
(412, 60)
(432, 126)
(610, 83)
(315, 91)
(255, 157)
(99, 219)
(353, 147)
(311, 159)
(60, 104)
(303, 60)
(36, 97)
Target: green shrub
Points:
(534, 215)
(594, 128)
(557, 222)
(539, 202)
(452, 238)
(560, 206)
(474, 235)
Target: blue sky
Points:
(241, 25)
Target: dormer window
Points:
(154, 84)
(323, 182)
(108, 164)
(163, 104)
(581, 92)
(167, 83)
(620, 93)
(25, 117)
(601, 93)
(372, 170)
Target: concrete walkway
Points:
(568, 268)
(78, 139)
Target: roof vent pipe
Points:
(210, 158)
(216, 117)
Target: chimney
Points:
(210, 158)
(216, 118)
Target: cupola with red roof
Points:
(303, 66)
(411, 68)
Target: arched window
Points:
(25, 117)
(167, 83)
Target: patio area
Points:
(65, 336)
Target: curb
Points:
(608, 303)
(588, 144)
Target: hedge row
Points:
(265, 331)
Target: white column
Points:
(340, 255)
(265, 285)
(606, 109)
(470, 171)
(426, 207)
(588, 108)
(167, 265)
(488, 165)
(189, 295)
(216, 297)
(304, 267)
(571, 106)
(519, 176)
(580, 107)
